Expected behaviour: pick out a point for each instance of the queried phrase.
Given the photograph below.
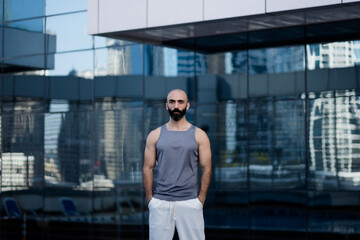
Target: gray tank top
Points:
(177, 158)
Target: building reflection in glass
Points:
(333, 140)
(74, 123)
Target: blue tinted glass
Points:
(64, 6)
(33, 25)
(22, 157)
(276, 134)
(109, 42)
(70, 31)
(67, 161)
(78, 64)
(334, 212)
(227, 209)
(278, 210)
(1, 10)
(224, 124)
(224, 77)
(70, 81)
(68, 165)
(23, 91)
(334, 66)
(334, 135)
(27, 34)
(19, 9)
(167, 69)
(119, 148)
(277, 72)
(118, 76)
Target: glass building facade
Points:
(283, 121)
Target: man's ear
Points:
(187, 106)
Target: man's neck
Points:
(180, 125)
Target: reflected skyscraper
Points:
(74, 148)
(118, 143)
(17, 171)
(26, 132)
(357, 52)
(334, 55)
(189, 63)
(334, 136)
(122, 58)
(275, 60)
(118, 58)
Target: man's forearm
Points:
(205, 183)
(148, 179)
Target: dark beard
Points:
(176, 114)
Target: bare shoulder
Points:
(201, 136)
(153, 136)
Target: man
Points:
(179, 148)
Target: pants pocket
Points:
(199, 203)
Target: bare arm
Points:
(149, 163)
(205, 163)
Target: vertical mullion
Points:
(306, 134)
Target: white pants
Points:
(186, 216)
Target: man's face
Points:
(177, 105)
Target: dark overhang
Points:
(322, 24)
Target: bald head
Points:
(177, 93)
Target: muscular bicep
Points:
(150, 156)
(150, 151)
(204, 150)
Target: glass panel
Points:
(1, 10)
(15, 206)
(285, 211)
(221, 76)
(70, 83)
(68, 175)
(118, 171)
(167, 69)
(277, 72)
(22, 157)
(2, 44)
(117, 213)
(156, 115)
(333, 115)
(226, 209)
(25, 28)
(29, 65)
(334, 135)
(70, 31)
(334, 212)
(23, 92)
(27, 34)
(276, 144)
(118, 77)
(101, 42)
(21, 175)
(332, 66)
(64, 6)
(19, 9)
(68, 149)
(119, 144)
(225, 126)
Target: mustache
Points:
(175, 110)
